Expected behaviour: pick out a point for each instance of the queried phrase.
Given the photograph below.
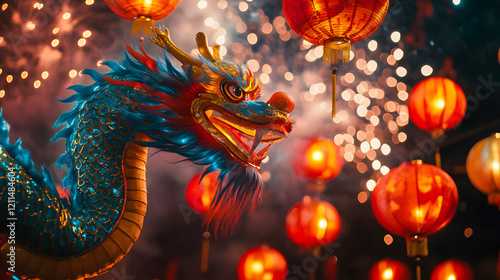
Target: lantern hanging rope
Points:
(334, 24)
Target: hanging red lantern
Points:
(262, 263)
(388, 269)
(335, 24)
(143, 12)
(330, 269)
(312, 222)
(483, 167)
(199, 194)
(317, 159)
(436, 104)
(452, 270)
(413, 201)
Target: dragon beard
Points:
(239, 192)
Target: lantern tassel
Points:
(142, 23)
(334, 82)
(336, 49)
(438, 157)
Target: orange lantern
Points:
(452, 270)
(483, 167)
(415, 200)
(335, 24)
(199, 194)
(388, 269)
(318, 159)
(262, 263)
(143, 12)
(436, 104)
(312, 222)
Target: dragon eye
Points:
(232, 91)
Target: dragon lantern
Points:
(206, 111)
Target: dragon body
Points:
(206, 111)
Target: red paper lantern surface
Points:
(318, 158)
(312, 222)
(145, 11)
(452, 270)
(483, 167)
(199, 194)
(262, 263)
(413, 201)
(388, 269)
(436, 104)
(334, 23)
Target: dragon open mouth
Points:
(251, 139)
(247, 135)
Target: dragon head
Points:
(207, 111)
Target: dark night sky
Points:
(468, 33)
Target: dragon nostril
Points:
(282, 101)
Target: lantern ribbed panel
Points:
(130, 9)
(262, 263)
(312, 222)
(483, 167)
(436, 104)
(319, 20)
(414, 199)
(389, 269)
(446, 270)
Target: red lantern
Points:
(388, 269)
(483, 167)
(143, 12)
(334, 24)
(436, 104)
(312, 222)
(318, 159)
(199, 194)
(262, 263)
(452, 270)
(415, 200)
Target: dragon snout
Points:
(282, 101)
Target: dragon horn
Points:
(216, 52)
(163, 40)
(201, 41)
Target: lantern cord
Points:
(417, 268)
(438, 157)
(204, 252)
(334, 79)
(312, 274)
